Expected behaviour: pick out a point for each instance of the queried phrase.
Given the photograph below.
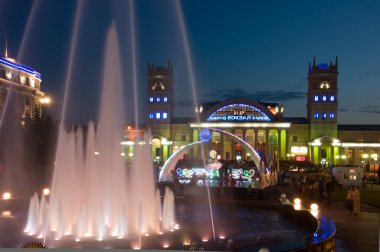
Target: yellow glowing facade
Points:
(318, 138)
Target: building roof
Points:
(296, 120)
(358, 127)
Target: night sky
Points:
(252, 49)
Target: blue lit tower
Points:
(160, 94)
(322, 99)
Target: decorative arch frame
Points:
(169, 164)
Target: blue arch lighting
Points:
(239, 112)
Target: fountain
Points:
(94, 195)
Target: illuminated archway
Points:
(172, 161)
(255, 156)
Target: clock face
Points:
(158, 85)
(324, 85)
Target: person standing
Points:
(349, 198)
(356, 200)
(321, 189)
(329, 190)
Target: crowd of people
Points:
(320, 188)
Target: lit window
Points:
(324, 98)
(316, 115)
(151, 115)
(151, 99)
(158, 115)
(332, 98)
(165, 99)
(324, 115)
(9, 75)
(164, 115)
(324, 85)
(332, 115)
(158, 99)
(316, 98)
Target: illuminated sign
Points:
(299, 150)
(238, 112)
(300, 158)
(185, 173)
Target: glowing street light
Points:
(7, 195)
(45, 100)
(46, 191)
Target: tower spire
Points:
(336, 61)
(313, 61)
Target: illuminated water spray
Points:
(189, 64)
(93, 196)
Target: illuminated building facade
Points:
(317, 138)
(21, 86)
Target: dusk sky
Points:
(252, 49)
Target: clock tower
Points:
(160, 94)
(322, 99)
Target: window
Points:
(151, 115)
(158, 99)
(332, 115)
(349, 154)
(295, 138)
(332, 98)
(151, 99)
(158, 115)
(183, 137)
(324, 98)
(324, 115)
(165, 99)
(316, 115)
(164, 115)
(316, 98)
(216, 137)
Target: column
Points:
(286, 142)
(266, 142)
(255, 141)
(279, 143)
(311, 153)
(222, 154)
(243, 152)
(356, 155)
(232, 146)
